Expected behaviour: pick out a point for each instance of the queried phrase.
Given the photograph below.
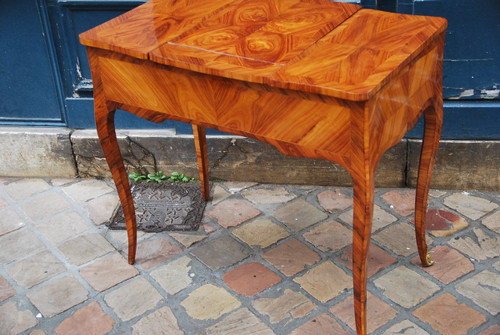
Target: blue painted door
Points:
(471, 69)
(29, 91)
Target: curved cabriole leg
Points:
(433, 117)
(200, 142)
(105, 124)
(362, 221)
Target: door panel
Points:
(29, 90)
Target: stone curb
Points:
(62, 152)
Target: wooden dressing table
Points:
(314, 78)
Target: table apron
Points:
(297, 123)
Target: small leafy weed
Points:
(136, 177)
(177, 177)
(159, 177)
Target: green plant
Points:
(179, 177)
(136, 177)
(158, 177)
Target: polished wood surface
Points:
(314, 78)
(200, 142)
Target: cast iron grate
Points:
(165, 207)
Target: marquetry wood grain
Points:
(254, 38)
(355, 60)
(384, 121)
(200, 142)
(301, 125)
(285, 44)
(150, 25)
(314, 78)
(105, 125)
(433, 118)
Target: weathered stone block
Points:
(137, 157)
(245, 159)
(230, 158)
(460, 165)
(36, 152)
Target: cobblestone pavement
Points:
(269, 259)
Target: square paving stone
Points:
(378, 312)
(85, 248)
(6, 290)
(174, 276)
(90, 319)
(260, 233)
(484, 290)
(405, 328)
(25, 188)
(133, 299)
(378, 259)
(237, 186)
(334, 201)
(63, 226)
(436, 193)
(154, 251)
(101, 209)
(325, 281)
(161, 321)
(470, 206)
(449, 264)
(209, 302)
(400, 238)
(231, 213)
(477, 245)
(274, 195)
(220, 252)
(62, 181)
(299, 215)
(289, 305)
(241, 322)
(19, 244)
(209, 228)
(250, 278)
(108, 272)
(58, 295)
(401, 201)
(329, 236)
(449, 317)
(443, 223)
(291, 257)
(188, 239)
(119, 238)
(15, 318)
(35, 269)
(321, 324)
(493, 222)
(9, 221)
(405, 287)
(219, 195)
(45, 206)
(87, 189)
(381, 218)
(493, 330)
